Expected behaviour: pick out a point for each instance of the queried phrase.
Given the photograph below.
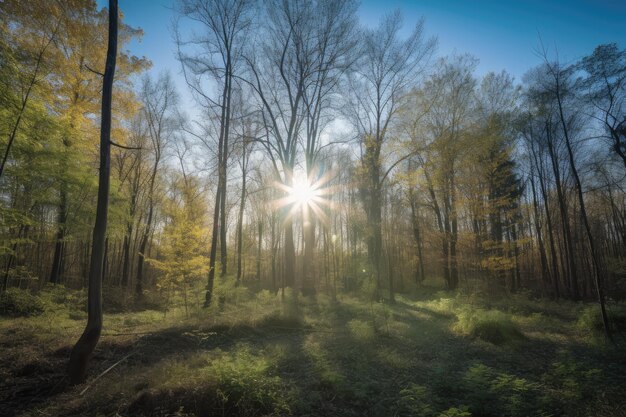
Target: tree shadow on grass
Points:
(358, 359)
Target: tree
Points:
(333, 28)
(159, 100)
(285, 75)
(560, 81)
(84, 347)
(494, 145)
(76, 100)
(246, 129)
(28, 33)
(450, 92)
(182, 255)
(604, 86)
(225, 24)
(388, 68)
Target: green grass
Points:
(432, 354)
(491, 326)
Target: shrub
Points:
(237, 384)
(493, 393)
(228, 289)
(456, 412)
(16, 302)
(570, 382)
(361, 330)
(415, 400)
(492, 326)
(443, 304)
(590, 318)
(58, 297)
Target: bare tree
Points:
(390, 65)
(160, 114)
(279, 72)
(561, 85)
(215, 53)
(605, 88)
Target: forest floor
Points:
(432, 354)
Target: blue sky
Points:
(501, 34)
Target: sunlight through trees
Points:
(301, 164)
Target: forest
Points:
(332, 219)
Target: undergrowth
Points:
(257, 353)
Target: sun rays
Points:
(307, 194)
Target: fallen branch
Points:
(126, 334)
(106, 371)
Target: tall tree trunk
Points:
(419, 271)
(308, 226)
(126, 254)
(225, 124)
(583, 213)
(13, 257)
(454, 271)
(567, 234)
(289, 249)
(290, 255)
(273, 244)
(143, 246)
(59, 246)
(258, 250)
(538, 231)
(242, 206)
(213, 252)
(81, 353)
(375, 224)
(222, 228)
(128, 236)
(553, 255)
(443, 230)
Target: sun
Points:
(305, 196)
(303, 193)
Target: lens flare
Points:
(305, 195)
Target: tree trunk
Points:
(258, 250)
(308, 268)
(225, 125)
(553, 255)
(81, 353)
(443, 230)
(213, 252)
(242, 207)
(583, 213)
(126, 255)
(572, 276)
(419, 271)
(567, 235)
(143, 245)
(538, 230)
(59, 246)
(454, 271)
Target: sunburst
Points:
(306, 195)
